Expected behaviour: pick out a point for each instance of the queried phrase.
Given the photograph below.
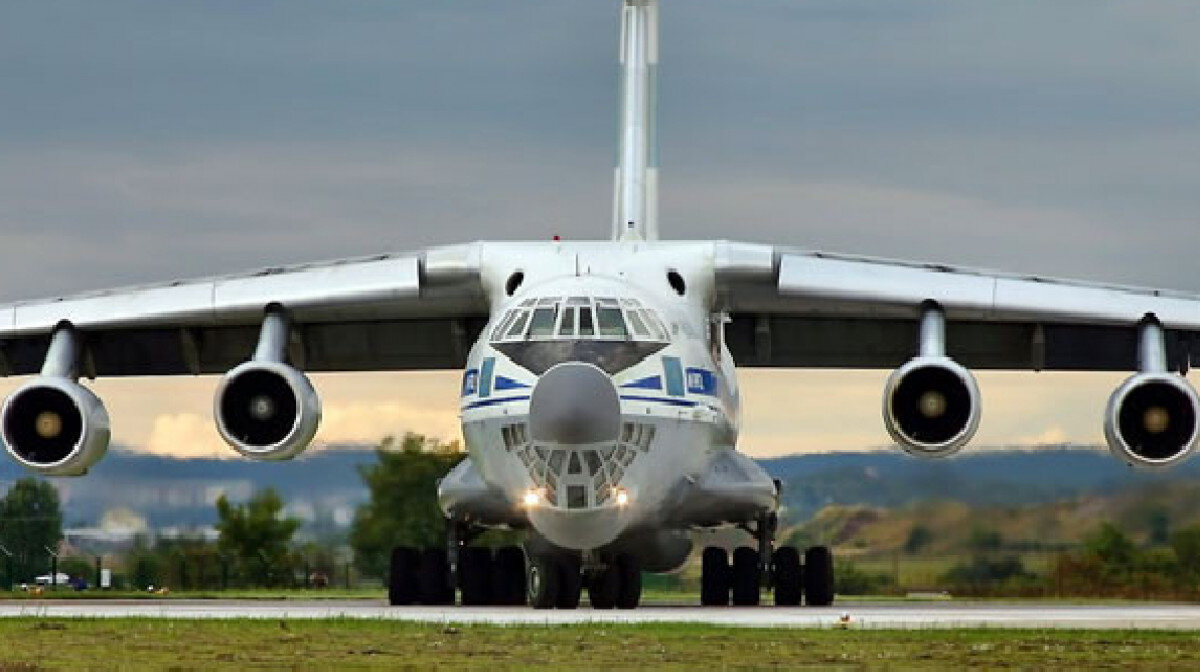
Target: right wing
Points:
(796, 308)
(391, 312)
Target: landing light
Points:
(622, 497)
(532, 498)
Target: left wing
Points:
(390, 312)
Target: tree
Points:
(918, 538)
(257, 535)
(403, 508)
(1186, 544)
(30, 522)
(1110, 545)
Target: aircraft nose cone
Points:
(575, 403)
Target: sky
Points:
(142, 141)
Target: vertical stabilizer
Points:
(635, 200)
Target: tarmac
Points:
(906, 615)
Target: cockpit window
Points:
(542, 324)
(518, 327)
(566, 325)
(610, 322)
(639, 327)
(586, 328)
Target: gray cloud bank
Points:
(147, 140)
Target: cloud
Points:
(368, 423)
(185, 435)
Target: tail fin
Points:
(635, 199)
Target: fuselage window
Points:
(611, 323)
(566, 326)
(585, 322)
(542, 324)
(518, 327)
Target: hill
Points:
(323, 487)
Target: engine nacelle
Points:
(55, 426)
(1152, 420)
(267, 410)
(931, 406)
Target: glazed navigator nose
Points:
(575, 403)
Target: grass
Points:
(231, 594)
(239, 644)
(926, 571)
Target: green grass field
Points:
(239, 644)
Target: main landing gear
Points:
(484, 576)
(741, 582)
(503, 577)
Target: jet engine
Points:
(267, 410)
(931, 406)
(1152, 420)
(55, 426)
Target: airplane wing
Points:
(795, 308)
(391, 312)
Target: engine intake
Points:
(931, 406)
(1153, 420)
(267, 410)
(55, 426)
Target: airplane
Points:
(599, 398)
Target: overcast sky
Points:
(141, 141)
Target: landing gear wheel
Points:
(747, 576)
(629, 573)
(434, 578)
(818, 577)
(714, 577)
(475, 575)
(508, 576)
(789, 577)
(603, 587)
(403, 588)
(542, 582)
(570, 583)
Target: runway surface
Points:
(953, 614)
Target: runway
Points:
(909, 615)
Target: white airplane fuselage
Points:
(672, 376)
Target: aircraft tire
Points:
(747, 590)
(434, 578)
(570, 583)
(602, 588)
(475, 575)
(629, 583)
(508, 576)
(714, 577)
(818, 577)
(789, 577)
(403, 588)
(541, 583)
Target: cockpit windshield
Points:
(580, 318)
(613, 334)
